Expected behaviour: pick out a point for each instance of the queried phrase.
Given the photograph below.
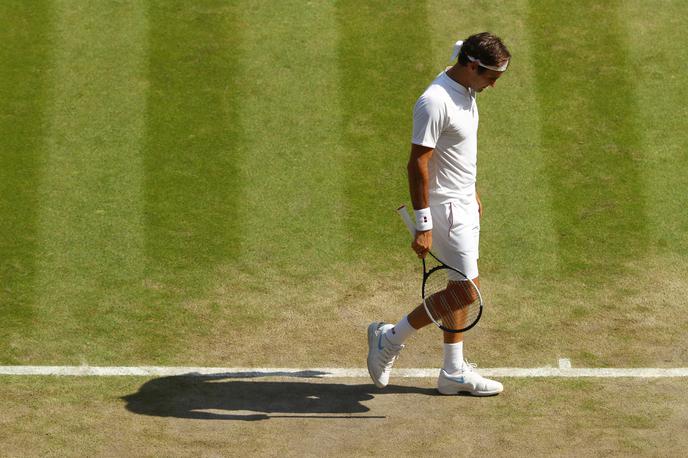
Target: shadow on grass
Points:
(214, 397)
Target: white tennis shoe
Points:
(468, 381)
(381, 354)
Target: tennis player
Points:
(442, 182)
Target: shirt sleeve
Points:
(428, 121)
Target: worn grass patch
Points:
(185, 416)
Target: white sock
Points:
(400, 332)
(453, 357)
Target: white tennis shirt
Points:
(445, 118)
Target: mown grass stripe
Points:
(384, 57)
(91, 232)
(191, 183)
(290, 113)
(590, 132)
(24, 63)
(290, 228)
(192, 150)
(658, 61)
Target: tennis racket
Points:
(453, 305)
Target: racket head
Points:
(453, 305)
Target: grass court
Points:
(213, 183)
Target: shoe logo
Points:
(379, 342)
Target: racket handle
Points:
(407, 220)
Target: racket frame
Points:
(443, 266)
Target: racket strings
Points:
(454, 304)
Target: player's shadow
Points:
(220, 397)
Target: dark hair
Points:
(485, 47)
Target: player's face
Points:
(486, 78)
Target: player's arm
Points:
(480, 203)
(418, 187)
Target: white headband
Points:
(457, 50)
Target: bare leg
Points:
(459, 313)
(419, 318)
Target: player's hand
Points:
(480, 205)
(422, 243)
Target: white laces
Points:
(390, 357)
(389, 354)
(468, 367)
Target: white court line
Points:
(330, 372)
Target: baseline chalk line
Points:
(565, 370)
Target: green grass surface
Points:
(214, 183)
(24, 64)
(591, 135)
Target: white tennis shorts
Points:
(456, 235)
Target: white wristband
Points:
(423, 219)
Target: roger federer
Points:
(442, 183)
